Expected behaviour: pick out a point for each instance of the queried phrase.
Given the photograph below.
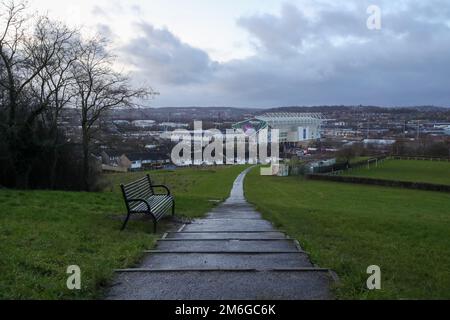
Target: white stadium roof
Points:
(291, 118)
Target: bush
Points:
(56, 166)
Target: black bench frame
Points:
(140, 198)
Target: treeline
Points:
(46, 67)
(420, 112)
(418, 148)
(422, 148)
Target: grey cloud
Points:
(328, 58)
(293, 31)
(405, 63)
(104, 31)
(166, 58)
(99, 11)
(136, 9)
(284, 34)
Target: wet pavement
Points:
(232, 254)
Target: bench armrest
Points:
(140, 200)
(163, 187)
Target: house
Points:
(379, 142)
(146, 160)
(134, 161)
(313, 166)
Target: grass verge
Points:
(350, 227)
(44, 232)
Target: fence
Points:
(342, 168)
(380, 160)
(420, 158)
(361, 164)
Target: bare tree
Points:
(99, 89)
(51, 51)
(29, 48)
(11, 38)
(54, 88)
(349, 153)
(45, 67)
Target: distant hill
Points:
(229, 114)
(368, 109)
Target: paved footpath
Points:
(232, 254)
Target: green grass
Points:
(350, 227)
(359, 159)
(194, 188)
(407, 170)
(43, 232)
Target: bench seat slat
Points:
(156, 206)
(142, 195)
(137, 188)
(140, 208)
(136, 183)
(155, 203)
(144, 189)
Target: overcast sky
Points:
(266, 53)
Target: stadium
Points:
(296, 128)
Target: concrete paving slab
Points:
(230, 225)
(248, 236)
(221, 286)
(227, 245)
(226, 261)
(227, 215)
(233, 207)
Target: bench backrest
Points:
(140, 189)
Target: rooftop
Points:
(291, 117)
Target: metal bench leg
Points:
(173, 208)
(155, 224)
(126, 222)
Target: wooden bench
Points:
(140, 198)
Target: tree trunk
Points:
(86, 166)
(23, 179)
(18, 174)
(53, 167)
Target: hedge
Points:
(341, 166)
(381, 182)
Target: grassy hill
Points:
(407, 170)
(43, 232)
(350, 227)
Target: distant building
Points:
(193, 135)
(379, 142)
(312, 167)
(293, 127)
(147, 160)
(144, 123)
(174, 125)
(340, 132)
(121, 122)
(135, 161)
(447, 131)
